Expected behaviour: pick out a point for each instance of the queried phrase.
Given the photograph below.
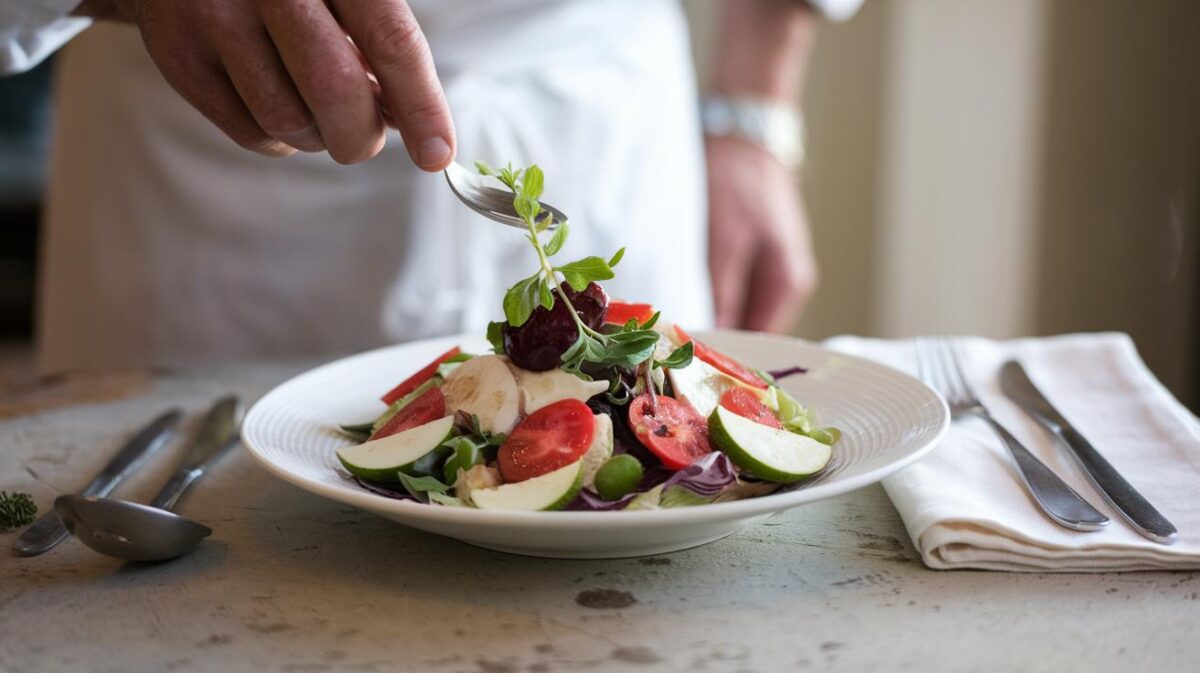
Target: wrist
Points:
(762, 48)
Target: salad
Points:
(584, 403)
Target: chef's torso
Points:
(167, 244)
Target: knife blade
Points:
(48, 530)
(1138, 511)
(220, 431)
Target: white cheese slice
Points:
(539, 389)
(484, 386)
(701, 385)
(599, 451)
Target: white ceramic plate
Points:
(888, 420)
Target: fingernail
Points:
(433, 153)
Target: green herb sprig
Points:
(16, 510)
(626, 347)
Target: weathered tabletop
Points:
(291, 582)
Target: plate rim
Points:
(737, 509)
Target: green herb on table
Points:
(16, 510)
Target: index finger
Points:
(328, 76)
(390, 39)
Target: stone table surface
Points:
(292, 582)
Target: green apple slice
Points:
(380, 459)
(769, 453)
(552, 490)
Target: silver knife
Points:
(220, 431)
(48, 531)
(1120, 493)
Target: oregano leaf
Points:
(556, 241)
(533, 183)
(579, 273)
(495, 336)
(678, 359)
(527, 208)
(521, 299)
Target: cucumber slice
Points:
(382, 459)
(552, 490)
(769, 453)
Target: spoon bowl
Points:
(129, 530)
(479, 194)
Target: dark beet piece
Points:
(538, 344)
(592, 304)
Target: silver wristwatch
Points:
(776, 127)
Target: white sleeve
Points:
(30, 30)
(835, 10)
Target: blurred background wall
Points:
(997, 168)
(1007, 168)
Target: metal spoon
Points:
(137, 532)
(481, 196)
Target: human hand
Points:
(759, 254)
(278, 76)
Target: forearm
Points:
(762, 48)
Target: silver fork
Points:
(938, 365)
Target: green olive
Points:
(618, 476)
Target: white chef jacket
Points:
(166, 244)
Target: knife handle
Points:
(48, 530)
(146, 442)
(1057, 500)
(1138, 511)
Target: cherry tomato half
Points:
(747, 405)
(722, 362)
(430, 406)
(551, 437)
(620, 312)
(676, 433)
(413, 382)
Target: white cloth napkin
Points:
(964, 505)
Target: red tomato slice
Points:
(413, 382)
(551, 437)
(620, 312)
(747, 405)
(722, 362)
(676, 433)
(430, 406)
